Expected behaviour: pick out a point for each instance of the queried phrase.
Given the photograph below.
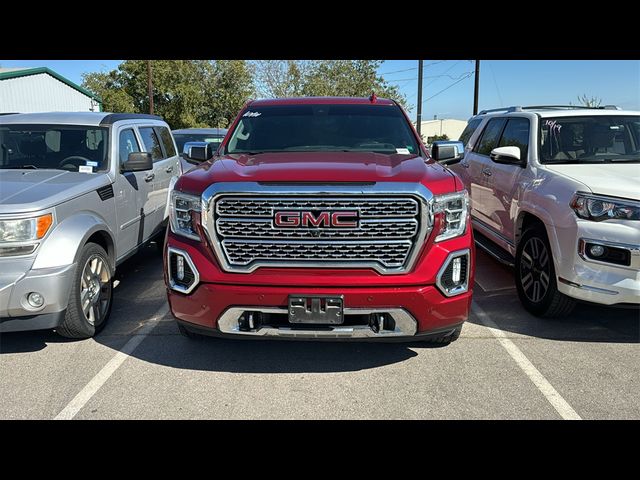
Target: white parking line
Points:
(81, 399)
(550, 393)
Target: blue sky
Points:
(502, 82)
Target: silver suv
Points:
(79, 193)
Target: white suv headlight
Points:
(455, 210)
(181, 214)
(599, 207)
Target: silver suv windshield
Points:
(590, 139)
(59, 147)
(323, 128)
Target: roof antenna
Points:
(373, 97)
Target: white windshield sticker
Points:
(91, 164)
(252, 114)
(403, 151)
(85, 169)
(553, 125)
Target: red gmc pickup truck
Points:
(320, 218)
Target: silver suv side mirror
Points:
(447, 151)
(197, 152)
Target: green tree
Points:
(186, 93)
(435, 138)
(353, 78)
(108, 86)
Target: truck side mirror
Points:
(197, 152)
(138, 162)
(447, 152)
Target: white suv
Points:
(558, 190)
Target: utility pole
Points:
(419, 111)
(150, 86)
(476, 88)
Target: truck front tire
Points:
(91, 295)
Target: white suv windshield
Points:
(589, 139)
(64, 147)
(308, 128)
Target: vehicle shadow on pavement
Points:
(165, 346)
(587, 323)
(495, 292)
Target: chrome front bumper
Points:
(405, 325)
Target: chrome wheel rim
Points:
(95, 289)
(535, 269)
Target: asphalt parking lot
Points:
(507, 364)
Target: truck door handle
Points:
(150, 177)
(487, 172)
(465, 165)
(169, 169)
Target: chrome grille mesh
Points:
(405, 228)
(388, 254)
(368, 207)
(385, 235)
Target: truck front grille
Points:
(381, 233)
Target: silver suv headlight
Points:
(184, 213)
(455, 210)
(598, 207)
(15, 233)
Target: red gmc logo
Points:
(302, 218)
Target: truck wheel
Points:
(536, 276)
(91, 294)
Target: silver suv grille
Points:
(384, 237)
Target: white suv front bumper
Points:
(597, 281)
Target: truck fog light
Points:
(180, 267)
(457, 269)
(35, 299)
(596, 250)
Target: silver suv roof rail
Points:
(518, 108)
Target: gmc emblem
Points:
(304, 218)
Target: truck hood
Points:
(320, 167)
(614, 179)
(30, 190)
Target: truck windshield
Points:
(309, 128)
(590, 139)
(61, 147)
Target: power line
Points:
(447, 88)
(412, 68)
(443, 73)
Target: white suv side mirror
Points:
(507, 155)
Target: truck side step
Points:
(494, 250)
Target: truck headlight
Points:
(184, 213)
(598, 207)
(454, 208)
(25, 229)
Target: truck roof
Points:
(321, 101)
(75, 118)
